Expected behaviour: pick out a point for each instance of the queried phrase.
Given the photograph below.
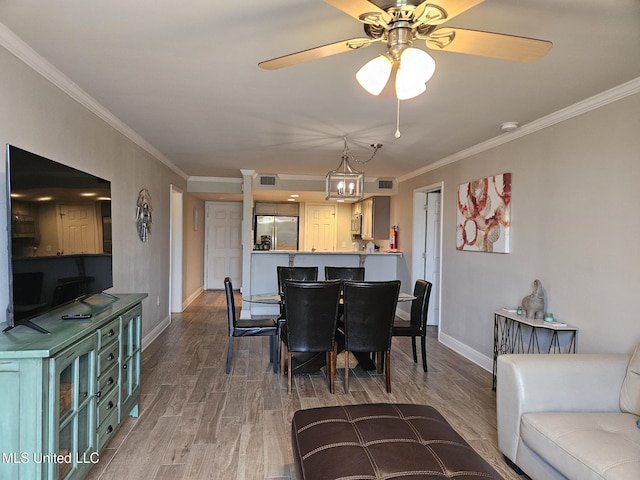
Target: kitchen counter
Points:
(378, 266)
(297, 252)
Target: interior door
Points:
(223, 244)
(78, 223)
(432, 255)
(320, 228)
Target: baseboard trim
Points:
(189, 300)
(153, 334)
(403, 314)
(470, 354)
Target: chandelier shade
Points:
(415, 69)
(374, 74)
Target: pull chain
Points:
(397, 135)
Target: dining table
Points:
(274, 298)
(303, 362)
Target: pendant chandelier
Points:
(345, 182)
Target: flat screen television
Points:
(59, 227)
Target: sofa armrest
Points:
(554, 383)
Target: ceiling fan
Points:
(400, 24)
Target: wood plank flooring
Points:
(196, 422)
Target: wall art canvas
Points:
(484, 214)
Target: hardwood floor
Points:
(196, 422)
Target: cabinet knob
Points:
(111, 357)
(124, 367)
(109, 429)
(98, 394)
(110, 381)
(111, 333)
(109, 405)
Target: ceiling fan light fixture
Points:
(415, 69)
(374, 75)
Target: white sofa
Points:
(570, 416)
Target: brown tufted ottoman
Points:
(382, 441)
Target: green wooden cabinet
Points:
(64, 395)
(71, 435)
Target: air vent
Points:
(268, 180)
(385, 184)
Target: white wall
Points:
(575, 227)
(39, 117)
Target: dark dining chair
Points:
(311, 311)
(369, 311)
(416, 326)
(244, 328)
(344, 273)
(305, 274)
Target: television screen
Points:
(59, 235)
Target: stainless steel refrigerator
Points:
(276, 232)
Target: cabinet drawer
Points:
(107, 381)
(108, 333)
(108, 357)
(107, 406)
(107, 428)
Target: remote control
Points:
(76, 316)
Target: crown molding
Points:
(195, 178)
(608, 96)
(16, 46)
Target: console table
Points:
(510, 331)
(64, 395)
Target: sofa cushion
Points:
(586, 445)
(630, 395)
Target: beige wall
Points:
(193, 254)
(575, 201)
(39, 117)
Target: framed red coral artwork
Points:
(484, 214)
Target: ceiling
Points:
(185, 77)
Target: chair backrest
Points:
(369, 311)
(231, 305)
(420, 305)
(306, 274)
(344, 273)
(311, 311)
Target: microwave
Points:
(24, 226)
(356, 224)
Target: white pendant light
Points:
(415, 69)
(374, 75)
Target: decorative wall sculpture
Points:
(484, 214)
(143, 214)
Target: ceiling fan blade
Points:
(362, 10)
(451, 8)
(315, 53)
(488, 44)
